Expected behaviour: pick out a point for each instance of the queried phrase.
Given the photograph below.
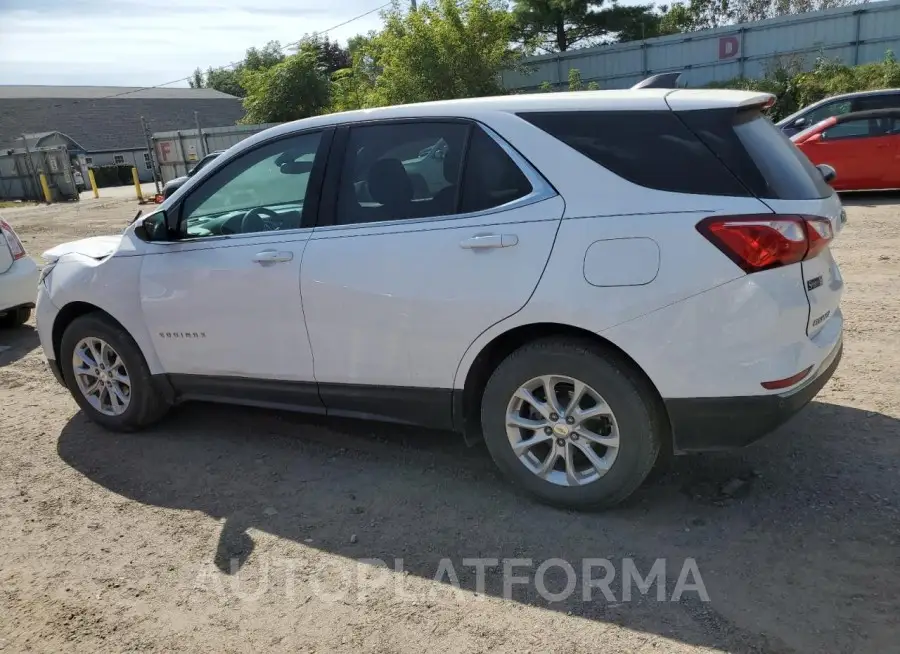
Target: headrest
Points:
(388, 182)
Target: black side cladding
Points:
(654, 149)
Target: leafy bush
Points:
(795, 88)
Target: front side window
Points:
(827, 111)
(422, 170)
(262, 190)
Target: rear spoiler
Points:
(659, 81)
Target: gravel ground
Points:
(234, 530)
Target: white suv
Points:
(585, 280)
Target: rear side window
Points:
(650, 148)
(424, 169)
(880, 101)
(762, 157)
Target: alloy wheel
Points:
(101, 376)
(562, 430)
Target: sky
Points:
(150, 42)
(144, 43)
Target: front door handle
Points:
(484, 241)
(272, 256)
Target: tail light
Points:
(763, 241)
(16, 249)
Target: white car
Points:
(595, 279)
(18, 279)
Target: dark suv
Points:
(838, 105)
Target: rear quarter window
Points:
(653, 149)
(758, 153)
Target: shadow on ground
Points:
(796, 537)
(16, 343)
(869, 198)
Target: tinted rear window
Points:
(759, 153)
(650, 148)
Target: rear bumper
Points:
(18, 285)
(721, 423)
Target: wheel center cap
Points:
(561, 430)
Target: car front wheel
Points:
(108, 376)
(574, 425)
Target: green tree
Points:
(575, 83)
(227, 79)
(559, 25)
(292, 89)
(197, 81)
(445, 49)
(353, 87)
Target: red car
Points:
(862, 147)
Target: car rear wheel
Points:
(15, 318)
(575, 426)
(108, 376)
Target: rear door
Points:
(419, 258)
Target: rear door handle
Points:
(484, 241)
(272, 256)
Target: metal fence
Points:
(20, 174)
(855, 35)
(177, 152)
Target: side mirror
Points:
(153, 227)
(828, 172)
(800, 122)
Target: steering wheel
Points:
(254, 220)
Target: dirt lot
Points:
(232, 530)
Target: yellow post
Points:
(93, 183)
(46, 187)
(137, 184)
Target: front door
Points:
(222, 302)
(429, 247)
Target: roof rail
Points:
(659, 81)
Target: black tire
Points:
(633, 402)
(146, 406)
(15, 318)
